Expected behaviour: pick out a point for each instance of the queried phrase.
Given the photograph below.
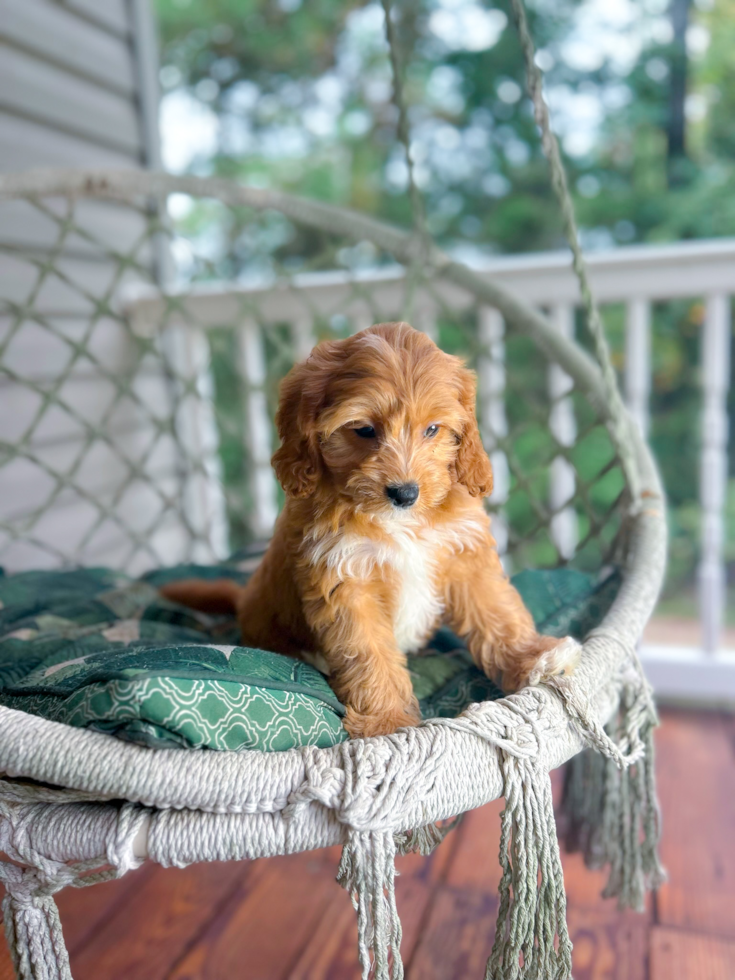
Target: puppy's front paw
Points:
(380, 723)
(548, 657)
(557, 661)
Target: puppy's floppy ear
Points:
(472, 464)
(297, 463)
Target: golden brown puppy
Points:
(384, 535)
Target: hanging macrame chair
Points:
(78, 806)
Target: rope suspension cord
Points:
(619, 421)
(619, 424)
(424, 241)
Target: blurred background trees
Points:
(296, 94)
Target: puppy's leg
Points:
(485, 609)
(367, 670)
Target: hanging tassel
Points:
(532, 941)
(424, 840)
(610, 808)
(35, 940)
(367, 871)
(582, 806)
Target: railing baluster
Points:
(425, 321)
(491, 413)
(638, 361)
(187, 351)
(251, 357)
(564, 532)
(302, 337)
(713, 483)
(362, 319)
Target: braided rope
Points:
(619, 420)
(424, 242)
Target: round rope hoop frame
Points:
(62, 819)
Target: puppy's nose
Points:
(404, 495)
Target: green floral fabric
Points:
(95, 649)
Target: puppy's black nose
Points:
(404, 495)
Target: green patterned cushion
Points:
(95, 649)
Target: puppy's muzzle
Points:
(404, 495)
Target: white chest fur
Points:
(410, 556)
(418, 604)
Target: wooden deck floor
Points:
(286, 919)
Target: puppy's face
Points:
(383, 419)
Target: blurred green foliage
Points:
(301, 92)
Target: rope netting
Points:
(137, 427)
(142, 342)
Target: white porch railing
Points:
(637, 277)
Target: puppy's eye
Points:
(365, 432)
(431, 431)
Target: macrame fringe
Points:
(424, 840)
(532, 941)
(367, 871)
(35, 940)
(610, 811)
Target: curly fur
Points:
(353, 580)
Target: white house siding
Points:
(77, 89)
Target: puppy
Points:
(383, 535)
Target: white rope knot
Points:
(638, 712)
(322, 783)
(376, 783)
(506, 724)
(120, 852)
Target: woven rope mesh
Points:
(140, 354)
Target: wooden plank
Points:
(682, 675)
(608, 945)
(474, 862)
(584, 887)
(52, 33)
(32, 88)
(72, 287)
(98, 469)
(713, 484)
(492, 417)
(147, 66)
(76, 529)
(25, 144)
(7, 971)
(457, 940)
(563, 426)
(258, 429)
(696, 773)
(683, 270)
(85, 910)
(88, 399)
(111, 228)
(331, 952)
(458, 936)
(168, 544)
(679, 955)
(144, 937)
(40, 352)
(266, 925)
(111, 15)
(188, 354)
(638, 361)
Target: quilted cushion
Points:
(95, 649)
